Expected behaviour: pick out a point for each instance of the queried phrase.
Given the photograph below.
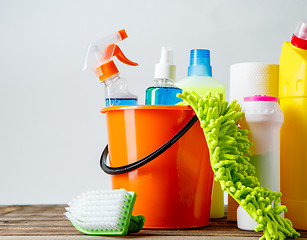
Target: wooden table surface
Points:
(48, 222)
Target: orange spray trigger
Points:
(122, 33)
(121, 57)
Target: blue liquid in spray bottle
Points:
(121, 101)
(117, 93)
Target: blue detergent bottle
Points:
(164, 92)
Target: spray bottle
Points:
(163, 92)
(200, 81)
(293, 142)
(98, 59)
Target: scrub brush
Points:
(105, 213)
(229, 157)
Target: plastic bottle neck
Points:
(201, 70)
(109, 81)
(163, 82)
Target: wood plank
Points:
(48, 222)
(232, 209)
(5, 210)
(85, 237)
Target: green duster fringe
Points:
(229, 156)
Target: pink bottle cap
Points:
(258, 98)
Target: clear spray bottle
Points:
(99, 59)
(164, 91)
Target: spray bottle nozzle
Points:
(115, 51)
(166, 56)
(165, 68)
(99, 55)
(109, 69)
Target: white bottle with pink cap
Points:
(263, 118)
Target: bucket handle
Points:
(132, 166)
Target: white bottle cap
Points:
(166, 69)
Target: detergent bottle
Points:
(99, 60)
(293, 103)
(164, 92)
(200, 80)
(199, 77)
(263, 118)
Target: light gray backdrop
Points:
(51, 131)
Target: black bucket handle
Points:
(132, 166)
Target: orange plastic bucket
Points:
(173, 190)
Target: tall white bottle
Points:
(263, 118)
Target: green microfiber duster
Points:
(229, 156)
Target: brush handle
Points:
(136, 223)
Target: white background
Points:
(51, 131)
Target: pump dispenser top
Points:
(165, 68)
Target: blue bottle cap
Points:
(200, 63)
